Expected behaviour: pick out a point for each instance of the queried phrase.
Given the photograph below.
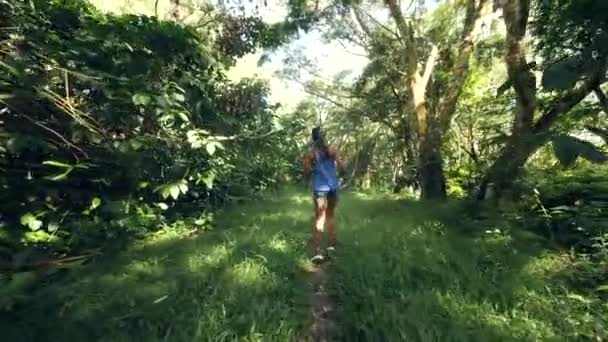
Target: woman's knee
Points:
(320, 222)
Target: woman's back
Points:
(324, 175)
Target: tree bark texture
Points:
(431, 127)
(527, 134)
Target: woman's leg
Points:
(320, 210)
(332, 202)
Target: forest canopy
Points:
(119, 126)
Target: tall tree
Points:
(433, 122)
(572, 38)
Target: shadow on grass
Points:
(414, 271)
(404, 271)
(246, 279)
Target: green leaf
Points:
(30, 221)
(567, 149)
(52, 226)
(162, 206)
(210, 148)
(579, 298)
(9, 68)
(165, 192)
(140, 99)
(174, 189)
(564, 74)
(602, 288)
(136, 145)
(183, 116)
(60, 176)
(194, 138)
(95, 203)
(56, 163)
(504, 87)
(179, 97)
(69, 168)
(183, 187)
(209, 180)
(601, 132)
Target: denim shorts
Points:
(330, 194)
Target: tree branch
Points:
(350, 52)
(460, 71)
(430, 65)
(362, 24)
(55, 133)
(371, 17)
(322, 96)
(568, 101)
(516, 15)
(407, 38)
(602, 99)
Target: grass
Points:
(404, 271)
(415, 272)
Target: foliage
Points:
(122, 126)
(570, 206)
(422, 272)
(568, 149)
(572, 39)
(113, 124)
(243, 279)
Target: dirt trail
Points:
(323, 309)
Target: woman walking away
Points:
(321, 162)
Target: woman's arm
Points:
(308, 158)
(334, 153)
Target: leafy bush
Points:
(110, 121)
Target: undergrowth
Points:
(404, 271)
(416, 272)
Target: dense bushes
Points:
(108, 122)
(573, 206)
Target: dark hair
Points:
(318, 140)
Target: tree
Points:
(433, 122)
(111, 120)
(572, 39)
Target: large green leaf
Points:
(504, 87)
(140, 99)
(172, 189)
(68, 169)
(601, 132)
(95, 203)
(57, 164)
(563, 75)
(29, 220)
(568, 149)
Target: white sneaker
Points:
(317, 259)
(331, 249)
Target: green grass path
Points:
(404, 271)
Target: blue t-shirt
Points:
(324, 177)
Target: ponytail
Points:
(319, 141)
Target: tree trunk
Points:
(526, 135)
(429, 162)
(430, 169)
(430, 129)
(505, 169)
